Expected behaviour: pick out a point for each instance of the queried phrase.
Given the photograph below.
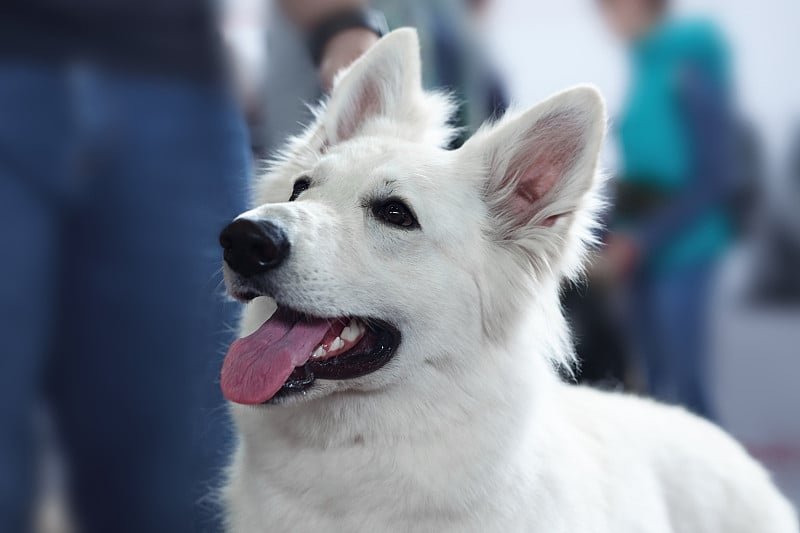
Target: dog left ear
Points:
(540, 182)
(542, 163)
(381, 83)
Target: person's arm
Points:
(339, 48)
(307, 14)
(710, 128)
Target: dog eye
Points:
(396, 213)
(300, 185)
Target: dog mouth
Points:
(291, 350)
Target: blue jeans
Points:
(113, 189)
(669, 316)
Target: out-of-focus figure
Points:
(777, 263)
(122, 154)
(671, 222)
(452, 60)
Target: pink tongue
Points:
(258, 365)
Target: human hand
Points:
(341, 50)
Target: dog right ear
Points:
(381, 83)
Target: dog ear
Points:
(540, 167)
(381, 83)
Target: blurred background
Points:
(129, 132)
(754, 313)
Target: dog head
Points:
(390, 257)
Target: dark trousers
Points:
(113, 189)
(669, 313)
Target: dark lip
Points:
(244, 289)
(244, 295)
(353, 364)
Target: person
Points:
(670, 222)
(122, 154)
(453, 59)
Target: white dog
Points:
(408, 377)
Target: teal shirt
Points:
(654, 134)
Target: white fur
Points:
(468, 428)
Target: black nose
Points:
(253, 247)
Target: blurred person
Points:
(671, 225)
(121, 156)
(777, 258)
(338, 32)
(296, 75)
(309, 41)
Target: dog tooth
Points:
(350, 333)
(337, 343)
(319, 352)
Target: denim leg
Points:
(681, 307)
(647, 332)
(31, 163)
(694, 384)
(144, 327)
(26, 288)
